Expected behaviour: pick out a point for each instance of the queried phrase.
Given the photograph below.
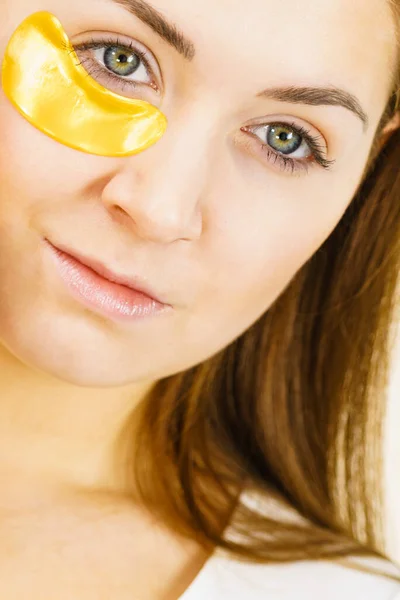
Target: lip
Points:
(106, 273)
(101, 290)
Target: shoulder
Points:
(306, 580)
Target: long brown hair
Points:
(293, 409)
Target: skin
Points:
(203, 215)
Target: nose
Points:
(157, 194)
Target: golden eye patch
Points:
(43, 79)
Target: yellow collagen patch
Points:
(42, 78)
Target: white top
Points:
(222, 578)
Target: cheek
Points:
(35, 168)
(39, 179)
(258, 267)
(246, 272)
(253, 256)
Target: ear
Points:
(389, 128)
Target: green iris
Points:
(286, 140)
(121, 61)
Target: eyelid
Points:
(114, 38)
(308, 131)
(318, 152)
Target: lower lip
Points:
(105, 297)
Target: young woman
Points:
(219, 435)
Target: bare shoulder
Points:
(306, 580)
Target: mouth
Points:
(100, 288)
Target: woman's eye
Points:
(292, 147)
(122, 62)
(112, 63)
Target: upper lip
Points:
(134, 283)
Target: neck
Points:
(61, 432)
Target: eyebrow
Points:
(318, 96)
(169, 32)
(315, 96)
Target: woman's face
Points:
(207, 216)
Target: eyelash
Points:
(296, 165)
(286, 163)
(93, 44)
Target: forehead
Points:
(266, 42)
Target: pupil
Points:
(122, 58)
